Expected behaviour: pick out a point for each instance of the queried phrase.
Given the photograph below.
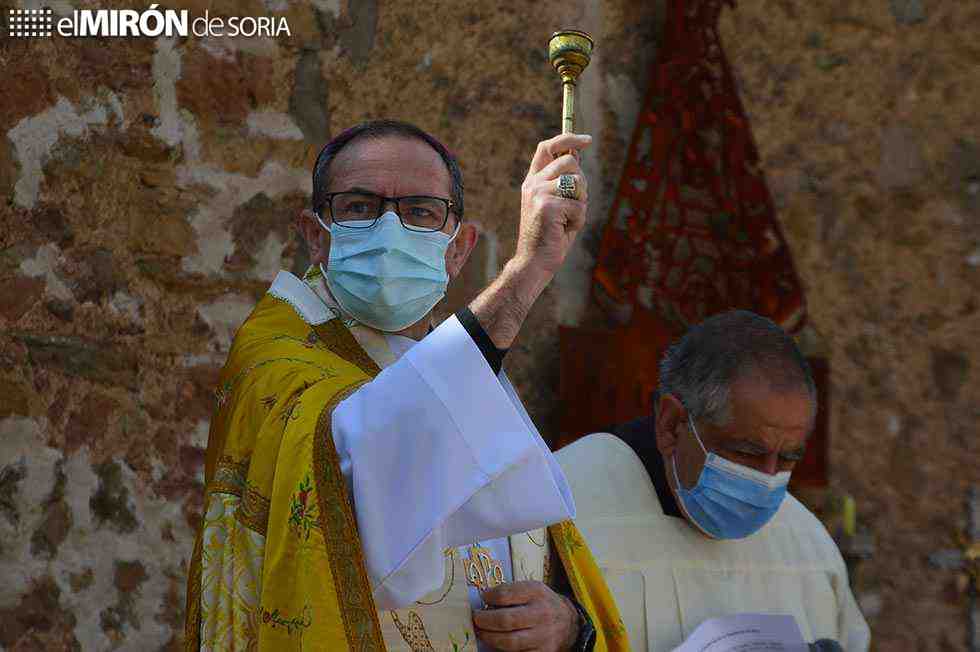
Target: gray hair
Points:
(700, 369)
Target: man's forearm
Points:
(502, 308)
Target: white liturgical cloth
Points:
(437, 453)
(667, 578)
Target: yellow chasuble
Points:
(278, 562)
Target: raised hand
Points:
(549, 224)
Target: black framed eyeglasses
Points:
(361, 210)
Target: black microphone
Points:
(826, 645)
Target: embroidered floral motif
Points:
(457, 646)
(569, 540)
(413, 632)
(291, 410)
(302, 510)
(223, 393)
(226, 587)
(311, 340)
(275, 619)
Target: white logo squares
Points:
(29, 22)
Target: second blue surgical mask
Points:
(729, 500)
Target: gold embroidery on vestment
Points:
(339, 527)
(339, 339)
(451, 553)
(482, 570)
(413, 632)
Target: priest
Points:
(686, 510)
(372, 479)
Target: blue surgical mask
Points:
(386, 276)
(730, 501)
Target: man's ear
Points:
(316, 237)
(460, 249)
(670, 420)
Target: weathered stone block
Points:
(950, 370)
(14, 398)
(89, 422)
(18, 295)
(110, 504)
(78, 357)
(92, 274)
(10, 477)
(309, 100)
(39, 621)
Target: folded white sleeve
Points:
(437, 453)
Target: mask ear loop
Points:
(681, 488)
(320, 220)
(673, 458)
(459, 225)
(696, 435)
(327, 229)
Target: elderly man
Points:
(686, 511)
(365, 468)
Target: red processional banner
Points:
(692, 231)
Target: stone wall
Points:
(866, 120)
(147, 189)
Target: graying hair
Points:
(700, 369)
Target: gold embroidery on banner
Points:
(414, 632)
(339, 527)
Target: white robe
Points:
(667, 578)
(437, 453)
